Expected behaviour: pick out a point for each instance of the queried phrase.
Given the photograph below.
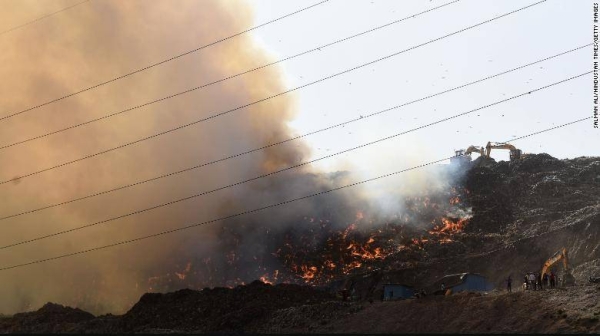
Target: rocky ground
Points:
(523, 212)
(572, 310)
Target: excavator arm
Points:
(556, 257)
(473, 149)
(515, 153)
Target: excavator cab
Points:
(515, 154)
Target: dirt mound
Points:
(217, 309)
(48, 319)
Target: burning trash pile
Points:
(318, 250)
(365, 245)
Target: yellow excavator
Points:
(473, 149)
(515, 154)
(568, 278)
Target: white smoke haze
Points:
(103, 39)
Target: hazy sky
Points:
(532, 34)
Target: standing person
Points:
(539, 280)
(545, 279)
(345, 293)
(509, 284)
(552, 280)
(532, 281)
(526, 282)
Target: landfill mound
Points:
(522, 213)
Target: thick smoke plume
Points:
(103, 39)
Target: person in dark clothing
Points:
(345, 294)
(532, 281)
(509, 284)
(539, 281)
(552, 280)
(545, 279)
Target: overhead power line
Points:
(41, 18)
(295, 166)
(362, 118)
(319, 48)
(158, 63)
(269, 97)
(124, 242)
(548, 129)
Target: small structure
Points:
(471, 282)
(397, 292)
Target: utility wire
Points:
(548, 129)
(364, 117)
(220, 80)
(295, 166)
(159, 63)
(266, 98)
(124, 242)
(41, 18)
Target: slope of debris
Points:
(537, 205)
(572, 310)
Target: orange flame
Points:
(450, 226)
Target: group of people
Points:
(535, 281)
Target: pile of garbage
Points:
(244, 307)
(217, 309)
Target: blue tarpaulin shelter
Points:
(471, 282)
(397, 292)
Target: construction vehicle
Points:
(473, 149)
(463, 156)
(515, 154)
(568, 278)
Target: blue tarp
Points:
(396, 292)
(473, 282)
